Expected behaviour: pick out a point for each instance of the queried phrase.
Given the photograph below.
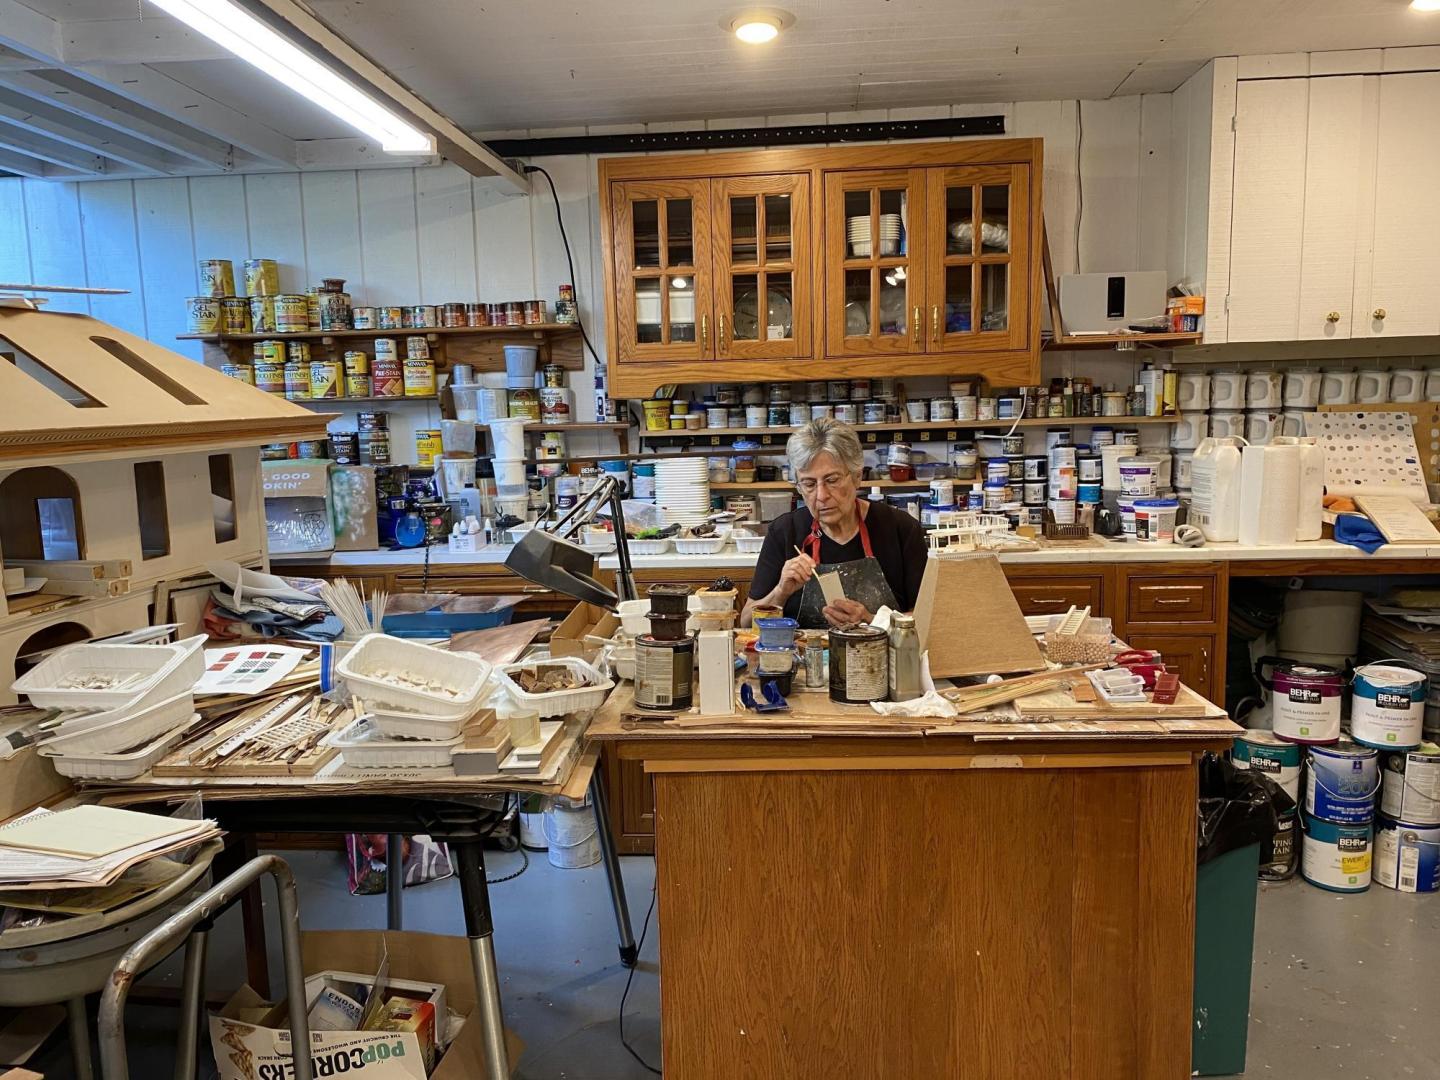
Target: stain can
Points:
(245, 372)
(262, 277)
(514, 313)
(357, 386)
(270, 377)
(292, 313)
(271, 352)
(387, 379)
(496, 314)
(555, 405)
(312, 309)
(1410, 785)
(324, 379)
(1407, 856)
(477, 315)
(427, 447)
(298, 351)
(664, 673)
(357, 362)
(297, 381)
(422, 315)
(345, 447)
(1341, 782)
(417, 348)
(385, 349)
(1387, 706)
(1336, 857)
(375, 448)
(452, 314)
(335, 313)
(859, 664)
(373, 421)
(262, 314)
(535, 313)
(202, 315)
(524, 405)
(389, 318)
(419, 378)
(313, 448)
(235, 314)
(1279, 855)
(363, 318)
(279, 451)
(217, 277)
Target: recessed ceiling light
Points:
(758, 26)
(1425, 5)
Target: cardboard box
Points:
(354, 508)
(252, 1042)
(297, 506)
(584, 620)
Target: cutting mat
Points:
(1060, 705)
(1426, 416)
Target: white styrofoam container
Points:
(649, 547)
(700, 545)
(364, 746)
(167, 670)
(406, 725)
(746, 544)
(560, 702)
(127, 766)
(463, 673)
(127, 731)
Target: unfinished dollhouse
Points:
(108, 445)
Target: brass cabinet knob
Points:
(704, 333)
(1378, 313)
(720, 337)
(915, 326)
(935, 323)
(1334, 316)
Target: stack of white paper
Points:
(88, 845)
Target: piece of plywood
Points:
(1061, 705)
(973, 622)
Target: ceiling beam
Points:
(20, 111)
(155, 38)
(57, 153)
(34, 168)
(27, 31)
(357, 153)
(121, 115)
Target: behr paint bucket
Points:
(1276, 758)
(1336, 857)
(1304, 699)
(1407, 857)
(1341, 782)
(1387, 706)
(1410, 785)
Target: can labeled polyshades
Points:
(1304, 699)
(859, 664)
(1407, 856)
(357, 386)
(244, 372)
(1387, 706)
(324, 379)
(1264, 752)
(345, 447)
(664, 673)
(1410, 785)
(235, 314)
(202, 315)
(375, 447)
(271, 352)
(270, 377)
(262, 314)
(297, 380)
(1280, 853)
(428, 447)
(1341, 782)
(1336, 857)
(387, 380)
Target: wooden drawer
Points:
(1167, 599)
(1055, 595)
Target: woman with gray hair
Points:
(878, 551)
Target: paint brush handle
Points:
(815, 573)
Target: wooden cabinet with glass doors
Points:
(780, 265)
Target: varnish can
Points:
(217, 277)
(235, 314)
(270, 377)
(292, 314)
(477, 315)
(297, 381)
(262, 277)
(244, 372)
(271, 352)
(427, 447)
(345, 447)
(357, 386)
(312, 309)
(664, 673)
(364, 318)
(387, 380)
(262, 314)
(419, 378)
(555, 405)
(859, 664)
(202, 315)
(375, 447)
(357, 362)
(417, 348)
(452, 314)
(324, 379)
(389, 318)
(297, 351)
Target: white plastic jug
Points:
(1215, 488)
(1310, 510)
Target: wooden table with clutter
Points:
(848, 892)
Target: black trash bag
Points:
(1238, 807)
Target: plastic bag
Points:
(1238, 807)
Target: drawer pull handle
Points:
(1053, 601)
(1181, 600)
(534, 589)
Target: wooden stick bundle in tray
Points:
(277, 735)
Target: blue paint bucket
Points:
(1341, 782)
(1407, 857)
(776, 633)
(1387, 706)
(1336, 857)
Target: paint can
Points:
(297, 380)
(1272, 756)
(1407, 856)
(1305, 699)
(664, 673)
(1341, 782)
(1034, 467)
(1139, 476)
(389, 318)
(373, 421)
(262, 314)
(874, 412)
(1387, 706)
(1279, 855)
(1088, 468)
(421, 315)
(417, 347)
(244, 372)
(1016, 473)
(364, 318)
(859, 664)
(799, 415)
(775, 416)
(375, 447)
(942, 492)
(292, 313)
(1155, 520)
(1033, 493)
(1410, 785)
(388, 379)
(477, 315)
(335, 311)
(324, 379)
(217, 277)
(262, 277)
(202, 315)
(523, 405)
(1336, 857)
(235, 314)
(345, 447)
(270, 377)
(846, 412)
(428, 447)
(271, 352)
(357, 386)
(1088, 494)
(555, 405)
(452, 314)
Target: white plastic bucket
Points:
(507, 439)
(571, 835)
(520, 364)
(532, 831)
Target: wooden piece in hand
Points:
(830, 586)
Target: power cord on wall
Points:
(628, 980)
(569, 259)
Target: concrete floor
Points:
(1344, 986)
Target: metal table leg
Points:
(394, 880)
(475, 897)
(192, 996)
(80, 1039)
(599, 797)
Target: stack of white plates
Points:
(682, 490)
(857, 232)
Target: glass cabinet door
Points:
(762, 266)
(978, 230)
(874, 251)
(662, 269)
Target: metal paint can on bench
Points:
(1341, 782)
(859, 664)
(1276, 758)
(1407, 856)
(1387, 706)
(664, 673)
(1410, 785)
(1336, 857)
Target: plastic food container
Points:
(164, 671)
(559, 702)
(404, 725)
(704, 545)
(363, 746)
(126, 731)
(461, 673)
(748, 545)
(649, 547)
(127, 766)
(1155, 520)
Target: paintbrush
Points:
(815, 573)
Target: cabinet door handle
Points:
(1162, 600)
(1334, 316)
(720, 336)
(935, 323)
(704, 333)
(1048, 601)
(1378, 313)
(915, 326)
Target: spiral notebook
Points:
(91, 832)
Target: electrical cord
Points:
(524, 865)
(569, 258)
(628, 980)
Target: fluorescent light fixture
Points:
(757, 31)
(234, 28)
(1425, 5)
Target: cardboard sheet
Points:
(970, 622)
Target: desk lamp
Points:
(550, 558)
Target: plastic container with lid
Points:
(1155, 520)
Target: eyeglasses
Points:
(809, 484)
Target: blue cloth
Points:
(1358, 531)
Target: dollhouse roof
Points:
(75, 387)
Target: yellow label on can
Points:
(419, 378)
(1355, 864)
(357, 363)
(272, 352)
(297, 381)
(357, 386)
(292, 314)
(203, 315)
(427, 446)
(235, 314)
(270, 377)
(324, 379)
(262, 314)
(297, 351)
(244, 372)
(217, 277)
(524, 405)
(262, 277)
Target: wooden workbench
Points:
(984, 900)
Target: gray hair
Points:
(825, 436)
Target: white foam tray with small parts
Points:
(127, 731)
(125, 766)
(363, 746)
(163, 670)
(559, 702)
(461, 673)
(403, 725)
(699, 545)
(746, 544)
(649, 547)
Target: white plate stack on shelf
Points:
(857, 231)
(682, 490)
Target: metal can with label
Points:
(262, 314)
(535, 312)
(270, 377)
(262, 277)
(292, 313)
(202, 315)
(417, 348)
(859, 664)
(235, 314)
(385, 349)
(217, 277)
(298, 351)
(245, 372)
(345, 447)
(373, 421)
(324, 379)
(524, 405)
(419, 316)
(389, 318)
(272, 352)
(452, 314)
(297, 380)
(419, 378)
(363, 318)
(555, 405)
(335, 313)
(313, 448)
(387, 378)
(312, 309)
(477, 315)
(514, 313)
(427, 447)
(357, 362)
(375, 448)
(357, 386)
(552, 446)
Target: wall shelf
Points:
(940, 425)
(537, 329)
(1122, 341)
(785, 485)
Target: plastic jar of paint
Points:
(1126, 505)
(1155, 520)
(996, 493)
(1139, 476)
(997, 468)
